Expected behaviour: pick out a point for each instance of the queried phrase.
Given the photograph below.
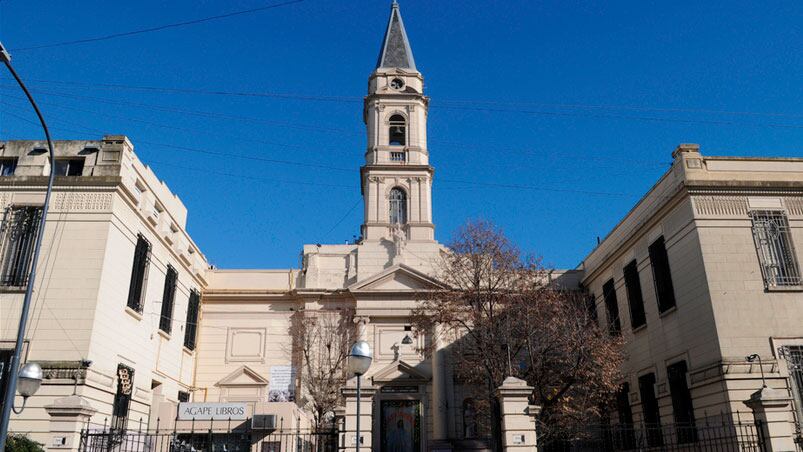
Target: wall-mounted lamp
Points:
(757, 357)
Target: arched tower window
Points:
(398, 131)
(398, 206)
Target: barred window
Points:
(122, 398)
(191, 329)
(168, 299)
(139, 273)
(650, 411)
(19, 231)
(612, 307)
(397, 135)
(682, 407)
(398, 206)
(776, 254)
(634, 297)
(662, 275)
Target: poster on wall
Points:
(282, 387)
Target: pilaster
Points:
(772, 412)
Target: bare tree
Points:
(321, 343)
(503, 317)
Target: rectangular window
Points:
(19, 230)
(612, 307)
(649, 407)
(634, 298)
(794, 361)
(776, 253)
(139, 273)
(5, 365)
(681, 403)
(122, 398)
(8, 166)
(591, 307)
(168, 299)
(69, 167)
(183, 396)
(626, 437)
(191, 328)
(662, 275)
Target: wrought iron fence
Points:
(725, 433)
(219, 436)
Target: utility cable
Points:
(157, 28)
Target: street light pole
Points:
(8, 397)
(359, 362)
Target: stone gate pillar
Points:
(68, 416)
(518, 416)
(349, 432)
(772, 409)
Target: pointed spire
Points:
(396, 51)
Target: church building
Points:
(136, 332)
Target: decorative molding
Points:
(720, 205)
(77, 201)
(794, 205)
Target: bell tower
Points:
(396, 179)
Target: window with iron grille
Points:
(139, 273)
(19, 230)
(625, 411)
(122, 398)
(662, 275)
(682, 407)
(191, 329)
(398, 206)
(168, 300)
(776, 253)
(8, 166)
(634, 297)
(612, 307)
(793, 354)
(650, 410)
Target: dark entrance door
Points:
(400, 427)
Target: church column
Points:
(440, 415)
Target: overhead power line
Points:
(156, 28)
(458, 104)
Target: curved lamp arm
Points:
(14, 408)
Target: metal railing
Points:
(723, 433)
(207, 436)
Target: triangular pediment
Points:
(243, 376)
(399, 372)
(399, 278)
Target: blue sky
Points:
(577, 105)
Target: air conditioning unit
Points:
(263, 422)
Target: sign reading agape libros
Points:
(211, 411)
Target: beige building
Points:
(129, 320)
(702, 273)
(119, 282)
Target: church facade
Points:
(135, 330)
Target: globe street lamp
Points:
(30, 377)
(359, 361)
(26, 372)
